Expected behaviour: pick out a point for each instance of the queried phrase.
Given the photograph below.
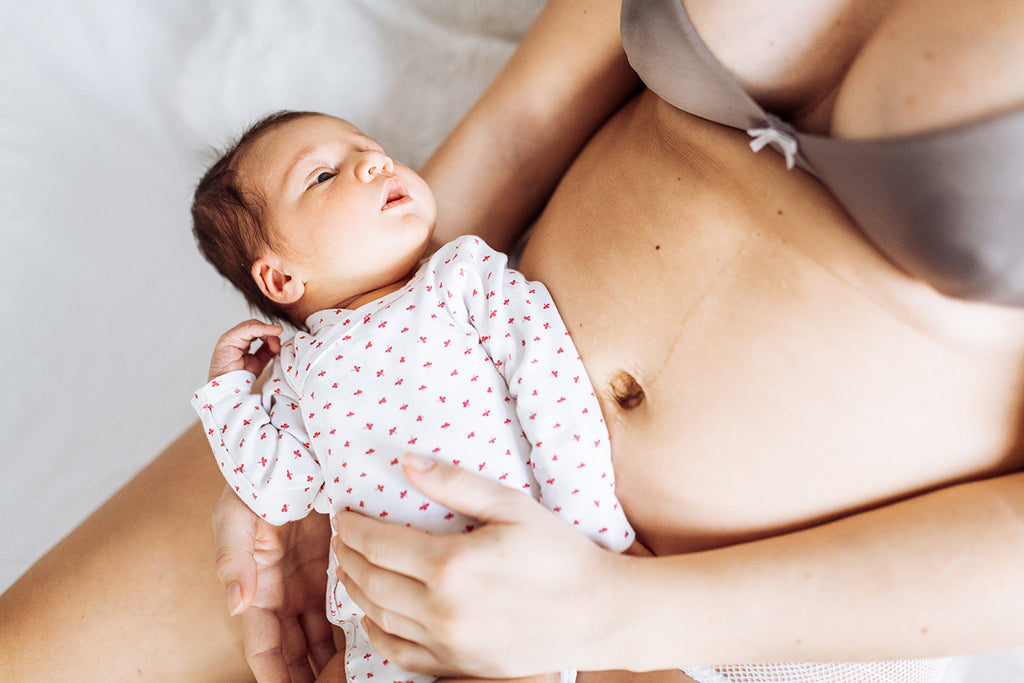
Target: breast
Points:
(945, 206)
(759, 365)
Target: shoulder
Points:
(467, 251)
(466, 245)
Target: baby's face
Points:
(340, 210)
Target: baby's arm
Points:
(260, 443)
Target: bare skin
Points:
(839, 384)
(944, 409)
(125, 576)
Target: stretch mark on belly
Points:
(627, 391)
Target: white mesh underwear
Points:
(903, 671)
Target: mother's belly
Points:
(760, 368)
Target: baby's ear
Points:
(272, 277)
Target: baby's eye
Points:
(323, 177)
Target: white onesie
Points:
(469, 364)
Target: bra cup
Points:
(946, 206)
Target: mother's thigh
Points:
(132, 593)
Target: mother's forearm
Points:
(934, 575)
(492, 175)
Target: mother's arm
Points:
(930, 576)
(493, 173)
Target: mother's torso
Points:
(760, 366)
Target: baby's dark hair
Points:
(228, 221)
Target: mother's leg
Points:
(132, 593)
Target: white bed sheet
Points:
(108, 110)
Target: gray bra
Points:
(946, 206)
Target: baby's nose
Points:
(371, 164)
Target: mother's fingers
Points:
(418, 554)
(234, 539)
(288, 649)
(393, 622)
(319, 638)
(262, 641)
(467, 492)
(388, 598)
(407, 655)
(296, 651)
(333, 671)
(400, 549)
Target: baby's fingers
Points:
(255, 362)
(244, 334)
(232, 350)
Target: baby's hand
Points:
(232, 350)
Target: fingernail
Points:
(235, 606)
(418, 462)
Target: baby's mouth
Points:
(395, 193)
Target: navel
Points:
(626, 391)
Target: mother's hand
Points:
(523, 594)
(276, 579)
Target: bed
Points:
(108, 115)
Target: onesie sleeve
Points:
(260, 444)
(528, 343)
